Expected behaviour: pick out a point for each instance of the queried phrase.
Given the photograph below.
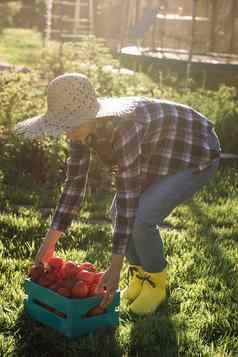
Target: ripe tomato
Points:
(87, 266)
(51, 276)
(68, 282)
(96, 310)
(98, 276)
(80, 289)
(92, 290)
(70, 269)
(56, 263)
(64, 291)
(86, 275)
(36, 272)
(43, 281)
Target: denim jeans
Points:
(145, 248)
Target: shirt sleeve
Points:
(127, 146)
(74, 186)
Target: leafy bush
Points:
(22, 95)
(35, 162)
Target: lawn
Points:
(20, 46)
(199, 317)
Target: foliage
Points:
(32, 162)
(21, 95)
(23, 161)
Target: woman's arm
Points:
(47, 248)
(70, 199)
(74, 186)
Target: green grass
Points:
(20, 46)
(199, 317)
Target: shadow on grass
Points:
(34, 339)
(152, 335)
(208, 235)
(223, 268)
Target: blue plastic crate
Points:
(68, 315)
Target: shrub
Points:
(22, 95)
(22, 161)
(32, 162)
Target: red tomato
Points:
(98, 276)
(86, 275)
(51, 277)
(43, 281)
(87, 266)
(70, 269)
(92, 290)
(97, 310)
(56, 263)
(68, 282)
(64, 291)
(36, 272)
(56, 285)
(80, 289)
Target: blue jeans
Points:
(145, 248)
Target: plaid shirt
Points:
(159, 138)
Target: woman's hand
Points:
(47, 248)
(45, 253)
(110, 280)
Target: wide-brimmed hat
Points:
(72, 101)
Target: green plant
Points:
(22, 95)
(35, 162)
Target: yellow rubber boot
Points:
(152, 294)
(134, 287)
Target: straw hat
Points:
(72, 101)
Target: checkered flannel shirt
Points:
(159, 138)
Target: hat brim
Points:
(52, 124)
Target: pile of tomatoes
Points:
(69, 279)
